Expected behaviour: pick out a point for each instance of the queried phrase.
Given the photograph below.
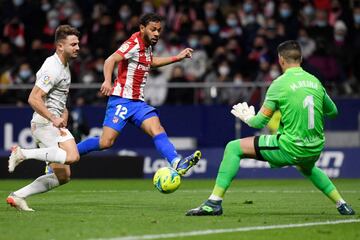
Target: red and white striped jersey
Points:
(134, 69)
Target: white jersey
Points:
(53, 78)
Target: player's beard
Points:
(149, 41)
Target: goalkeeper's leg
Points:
(324, 184)
(234, 152)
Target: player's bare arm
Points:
(162, 61)
(65, 116)
(37, 103)
(108, 71)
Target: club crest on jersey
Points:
(115, 120)
(124, 47)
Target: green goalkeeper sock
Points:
(323, 183)
(228, 169)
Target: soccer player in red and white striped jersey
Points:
(126, 101)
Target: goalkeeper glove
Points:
(243, 111)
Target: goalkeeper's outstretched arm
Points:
(261, 119)
(247, 115)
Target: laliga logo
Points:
(24, 137)
(330, 162)
(151, 167)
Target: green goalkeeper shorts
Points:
(268, 149)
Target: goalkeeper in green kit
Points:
(303, 103)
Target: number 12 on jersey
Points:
(309, 104)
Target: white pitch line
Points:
(194, 191)
(229, 230)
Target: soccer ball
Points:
(167, 180)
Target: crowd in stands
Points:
(234, 41)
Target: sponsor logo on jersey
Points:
(143, 68)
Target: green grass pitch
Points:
(114, 209)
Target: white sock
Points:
(215, 198)
(51, 154)
(42, 184)
(338, 203)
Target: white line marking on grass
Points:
(194, 191)
(229, 230)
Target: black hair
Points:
(290, 50)
(150, 17)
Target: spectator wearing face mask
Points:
(23, 76)
(221, 72)
(320, 27)
(307, 14)
(250, 19)
(307, 44)
(196, 67)
(287, 16)
(49, 29)
(232, 27)
(342, 52)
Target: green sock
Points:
(322, 182)
(228, 168)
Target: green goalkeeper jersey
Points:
(303, 103)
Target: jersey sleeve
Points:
(272, 98)
(46, 78)
(127, 50)
(329, 108)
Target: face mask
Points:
(285, 13)
(18, 2)
(231, 22)
(224, 70)
(213, 29)
(53, 23)
(259, 48)
(247, 7)
(274, 74)
(45, 7)
(148, 9)
(24, 74)
(339, 37)
(308, 10)
(193, 42)
(76, 23)
(321, 23)
(357, 18)
(124, 14)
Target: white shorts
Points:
(48, 135)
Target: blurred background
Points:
(235, 60)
